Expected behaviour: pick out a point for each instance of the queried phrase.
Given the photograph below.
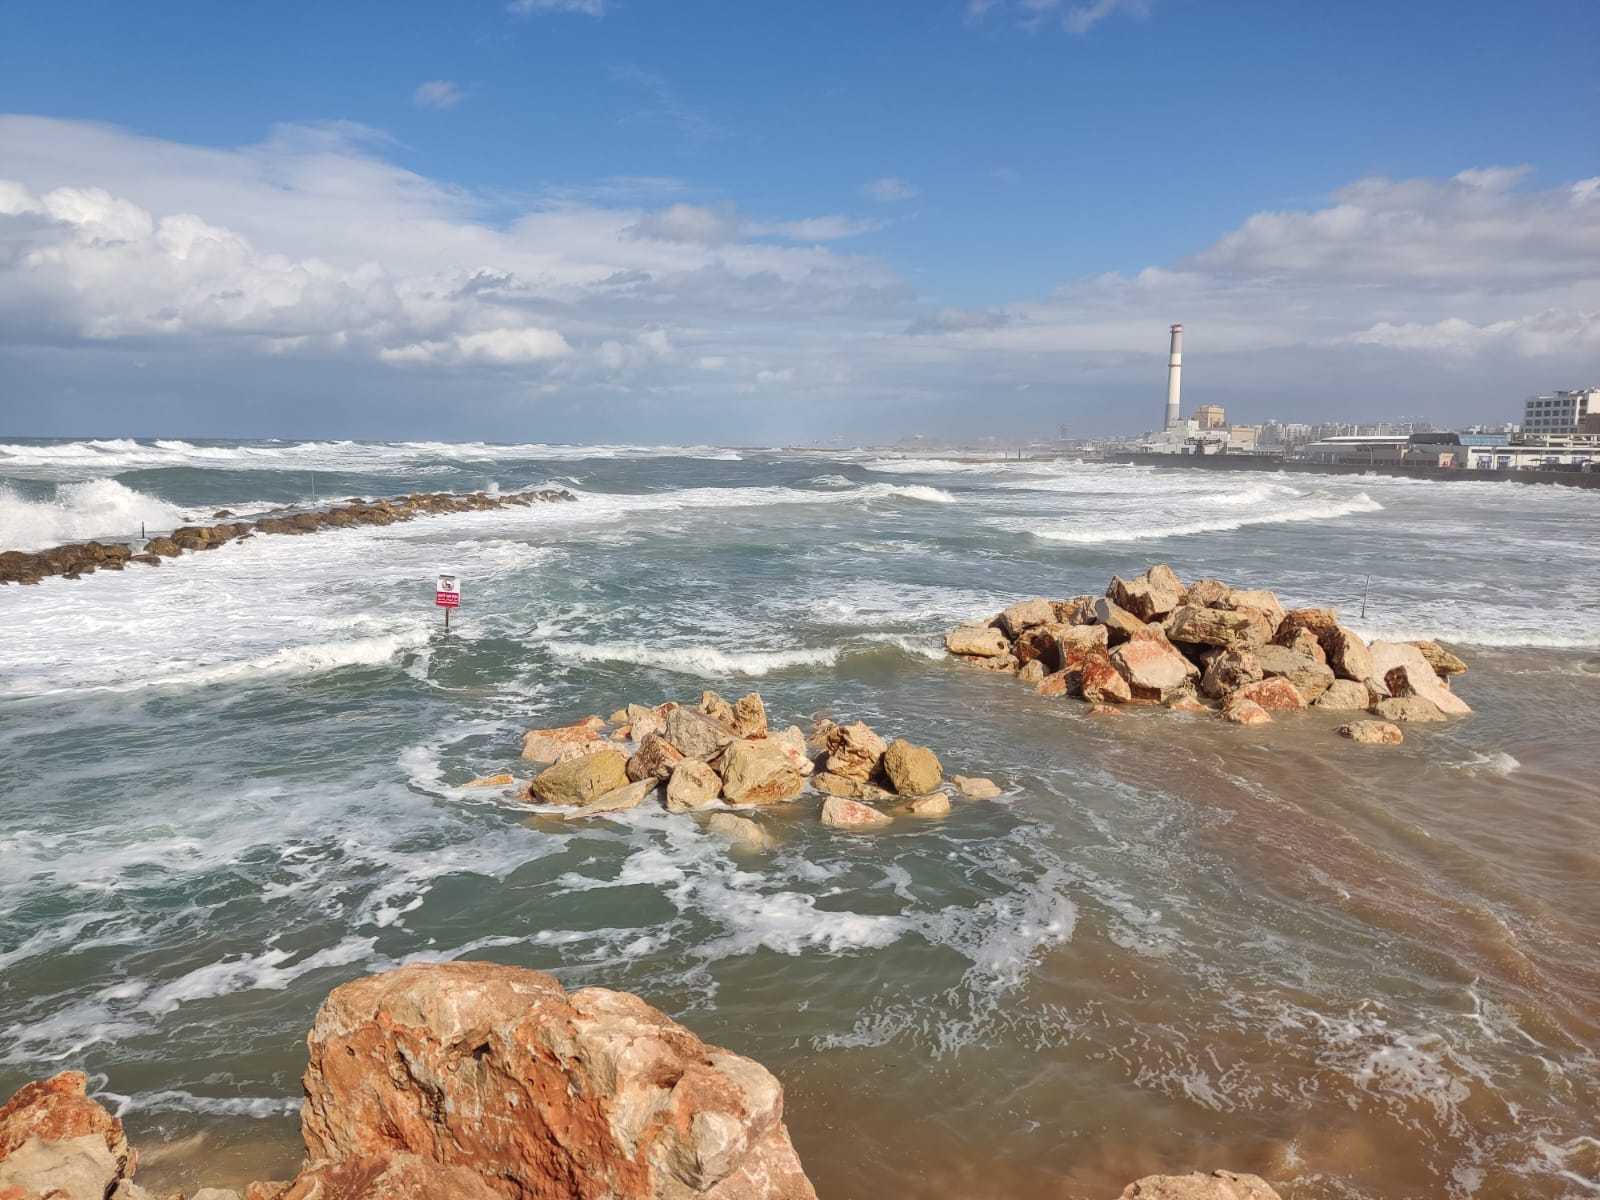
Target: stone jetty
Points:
(717, 755)
(1212, 647)
(84, 558)
(477, 1081)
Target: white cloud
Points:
(438, 93)
(888, 190)
(1074, 18)
(503, 347)
(698, 224)
(594, 8)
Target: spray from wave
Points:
(97, 508)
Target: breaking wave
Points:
(96, 508)
(709, 662)
(1325, 509)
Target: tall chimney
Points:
(1174, 376)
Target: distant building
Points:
(1559, 413)
(1209, 416)
(1590, 425)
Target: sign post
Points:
(447, 595)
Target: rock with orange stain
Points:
(55, 1141)
(540, 1093)
(1217, 1185)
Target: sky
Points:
(777, 222)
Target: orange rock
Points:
(564, 742)
(1106, 710)
(539, 1093)
(58, 1110)
(1275, 694)
(388, 1177)
(504, 779)
(1246, 712)
(1102, 682)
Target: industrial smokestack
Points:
(1174, 376)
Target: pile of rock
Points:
(716, 754)
(84, 558)
(1208, 645)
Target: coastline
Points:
(1246, 462)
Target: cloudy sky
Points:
(715, 220)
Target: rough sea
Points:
(232, 782)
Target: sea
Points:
(233, 782)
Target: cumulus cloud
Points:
(438, 93)
(888, 190)
(312, 252)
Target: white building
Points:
(1559, 413)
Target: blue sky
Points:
(895, 191)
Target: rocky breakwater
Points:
(725, 762)
(468, 1081)
(1212, 647)
(84, 558)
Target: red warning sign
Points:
(448, 593)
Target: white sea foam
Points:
(709, 662)
(1320, 508)
(96, 508)
(178, 1100)
(271, 970)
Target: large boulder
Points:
(758, 772)
(1315, 621)
(1216, 627)
(1120, 624)
(1077, 611)
(1310, 677)
(1275, 694)
(715, 707)
(1153, 669)
(693, 784)
(655, 758)
(620, 799)
(792, 741)
(580, 781)
(1042, 644)
(1207, 593)
(1242, 711)
(839, 813)
(1229, 671)
(1344, 695)
(912, 770)
(1218, 1185)
(1408, 710)
(1444, 663)
(934, 804)
(538, 1093)
(1301, 641)
(1024, 615)
(1258, 600)
(980, 640)
(565, 742)
(1099, 680)
(750, 716)
(1350, 659)
(1150, 596)
(642, 721)
(854, 751)
(1077, 642)
(1404, 671)
(383, 1177)
(849, 789)
(56, 1142)
(696, 735)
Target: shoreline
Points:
(76, 559)
(1243, 462)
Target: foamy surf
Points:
(707, 662)
(96, 508)
(1320, 508)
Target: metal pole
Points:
(447, 620)
(1364, 592)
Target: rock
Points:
(693, 784)
(1059, 683)
(1408, 710)
(1120, 624)
(655, 758)
(1218, 1185)
(1153, 669)
(696, 735)
(1256, 600)
(1406, 672)
(1373, 733)
(1032, 673)
(1350, 659)
(1310, 677)
(977, 641)
(163, 547)
(503, 779)
(1275, 694)
(1344, 694)
(1105, 710)
(1005, 662)
(912, 770)
(1243, 711)
(1042, 644)
(1079, 641)
(539, 1093)
(389, 1177)
(758, 772)
(645, 721)
(1186, 704)
(1024, 615)
(840, 813)
(1207, 593)
(579, 781)
(1229, 671)
(715, 707)
(1149, 597)
(1444, 663)
(934, 804)
(742, 831)
(1301, 641)
(750, 716)
(210, 1193)
(1101, 682)
(1215, 627)
(976, 787)
(1077, 611)
(630, 795)
(53, 1136)
(565, 742)
(854, 751)
(792, 741)
(849, 789)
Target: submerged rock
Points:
(975, 788)
(580, 781)
(1242, 711)
(503, 779)
(742, 831)
(1218, 1185)
(540, 1093)
(1373, 733)
(1410, 710)
(630, 795)
(934, 804)
(839, 813)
